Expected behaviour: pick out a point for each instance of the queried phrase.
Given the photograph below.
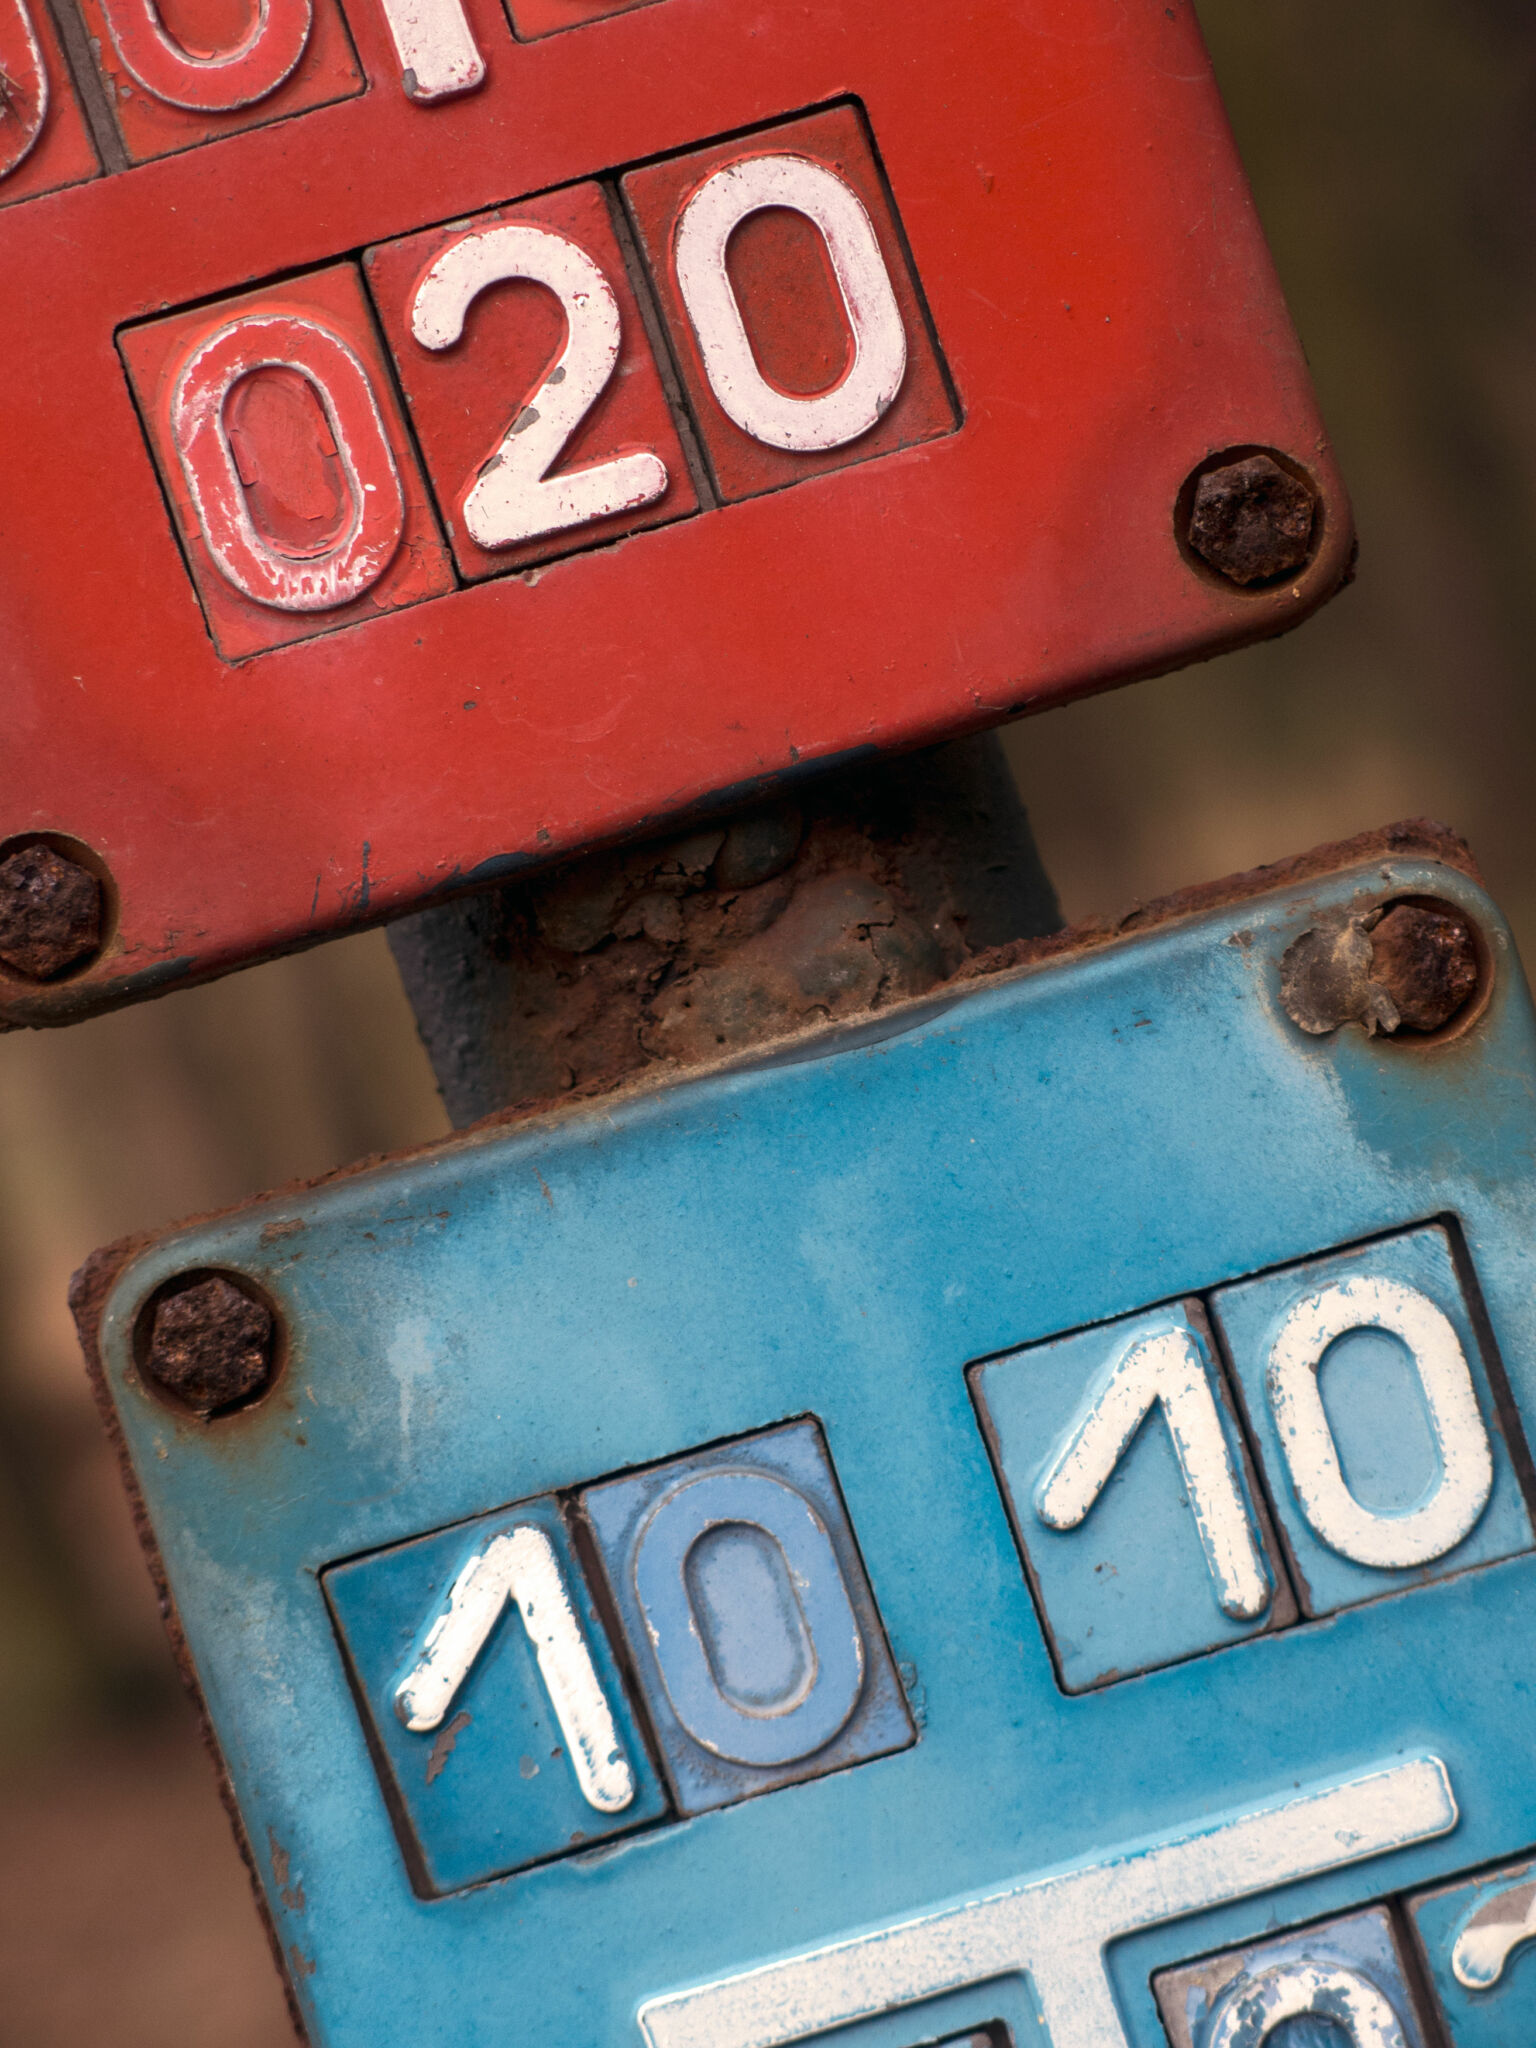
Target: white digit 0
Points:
(866, 391)
(25, 104)
(514, 498)
(339, 564)
(1465, 1480)
(218, 84)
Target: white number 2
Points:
(514, 498)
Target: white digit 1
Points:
(349, 553)
(1460, 1493)
(782, 419)
(436, 48)
(520, 1565)
(219, 84)
(1164, 1369)
(514, 498)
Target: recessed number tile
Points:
(1368, 1396)
(758, 1646)
(492, 1697)
(1127, 1486)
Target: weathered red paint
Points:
(285, 453)
(1071, 208)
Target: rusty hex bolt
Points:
(1251, 520)
(1426, 960)
(50, 912)
(210, 1345)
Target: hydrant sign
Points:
(957, 1534)
(440, 436)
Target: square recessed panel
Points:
(790, 303)
(44, 139)
(1344, 1980)
(1364, 1384)
(1137, 1556)
(484, 1770)
(295, 487)
(190, 71)
(1477, 1939)
(756, 1639)
(546, 409)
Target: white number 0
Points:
(514, 498)
(782, 419)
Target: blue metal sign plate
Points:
(1017, 1526)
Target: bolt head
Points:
(1252, 520)
(210, 1345)
(1426, 960)
(50, 912)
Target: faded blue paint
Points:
(516, 1311)
(492, 1789)
(1129, 1588)
(646, 1527)
(1372, 1397)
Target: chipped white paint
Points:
(865, 392)
(219, 84)
(1451, 1510)
(246, 557)
(1164, 1369)
(439, 57)
(514, 498)
(520, 1565)
(24, 107)
(1493, 1933)
(1056, 1927)
(1254, 2008)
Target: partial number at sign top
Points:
(513, 423)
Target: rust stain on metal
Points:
(1400, 967)
(1252, 520)
(1427, 961)
(443, 1747)
(50, 912)
(210, 1345)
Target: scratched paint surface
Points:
(841, 1236)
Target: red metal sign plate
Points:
(889, 398)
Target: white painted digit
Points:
(865, 392)
(1164, 1369)
(1056, 1928)
(514, 498)
(342, 564)
(520, 1565)
(217, 84)
(436, 46)
(1438, 1524)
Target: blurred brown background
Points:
(1393, 150)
